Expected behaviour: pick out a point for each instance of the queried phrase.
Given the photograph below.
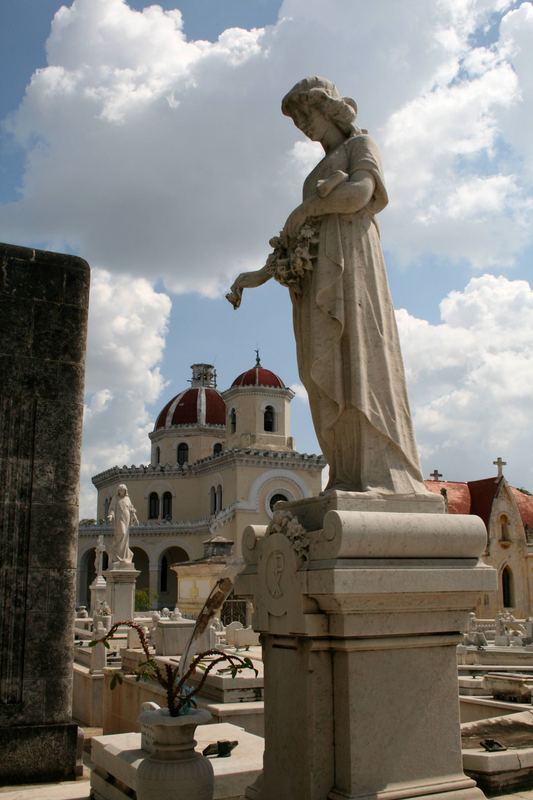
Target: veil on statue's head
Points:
(325, 96)
(124, 487)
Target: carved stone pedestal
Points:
(121, 593)
(359, 621)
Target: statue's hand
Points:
(234, 295)
(325, 186)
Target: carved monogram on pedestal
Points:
(274, 571)
(277, 570)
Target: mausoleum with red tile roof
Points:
(508, 516)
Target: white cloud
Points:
(127, 326)
(452, 189)
(299, 391)
(169, 158)
(470, 379)
(165, 158)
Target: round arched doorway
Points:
(168, 582)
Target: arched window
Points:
(153, 506)
(276, 498)
(504, 528)
(157, 455)
(167, 506)
(233, 420)
(219, 497)
(183, 453)
(217, 449)
(106, 507)
(164, 574)
(507, 588)
(268, 419)
(212, 500)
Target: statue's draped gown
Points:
(122, 509)
(347, 342)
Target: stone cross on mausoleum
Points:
(436, 475)
(500, 463)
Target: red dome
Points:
(196, 406)
(258, 376)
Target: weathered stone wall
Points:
(43, 322)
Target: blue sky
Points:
(153, 145)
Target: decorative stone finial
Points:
(204, 375)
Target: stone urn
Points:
(172, 769)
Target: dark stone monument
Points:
(43, 324)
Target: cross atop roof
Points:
(436, 475)
(500, 463)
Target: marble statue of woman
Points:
(330, 257)
(121, 515)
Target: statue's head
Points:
(122, 490)
(319, 93)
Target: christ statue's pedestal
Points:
(360, 616)
(121, 592)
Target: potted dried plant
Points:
(167, 734)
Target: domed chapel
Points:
(219, 461)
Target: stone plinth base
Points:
(361, 601)
(500, 773)
(117, 760)
(121, 593)
(503, 771)
(38, 753)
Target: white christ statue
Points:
(121, 515)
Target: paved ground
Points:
(79, 789)
(69, 790)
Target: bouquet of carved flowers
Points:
(289, 265)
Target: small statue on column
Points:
(121, 515)
(99, 551)
(98, 586)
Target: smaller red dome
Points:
(259, 376)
